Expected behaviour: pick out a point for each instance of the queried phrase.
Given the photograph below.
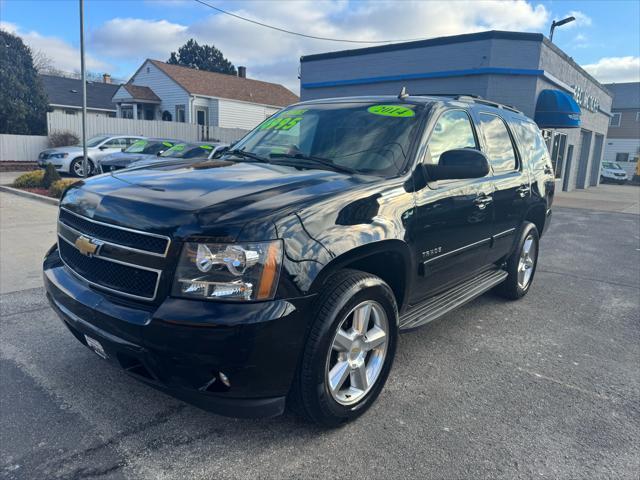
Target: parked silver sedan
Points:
(69, 159)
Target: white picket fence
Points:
(62, 122)
(21, 147)
(27, 147)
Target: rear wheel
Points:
(521, 265)
(77, 170)
(349, 350)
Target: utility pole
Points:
(83, 74)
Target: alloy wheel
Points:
(527, 262)
(357, 354)
(78, 170)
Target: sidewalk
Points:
(608, 198)
(7, 178)
(27, 230)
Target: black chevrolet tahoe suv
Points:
(281, 273)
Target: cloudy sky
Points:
(120, 34)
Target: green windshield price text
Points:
(286, 123)
(391, 111)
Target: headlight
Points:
(247, 271)
(59, 155)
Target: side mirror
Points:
(458, 164)
(159, 153)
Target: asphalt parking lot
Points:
(547, 387)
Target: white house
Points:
(160, 91)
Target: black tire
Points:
(511, 288)
(76, 166)
(310, 395)
(602, 179)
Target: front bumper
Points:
(183, 346)
(617, 178)
(57, 163)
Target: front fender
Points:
(327, 236)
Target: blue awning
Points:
(557, 109)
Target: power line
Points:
(298, 33)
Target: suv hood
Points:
(213, 198)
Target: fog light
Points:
(224, 379)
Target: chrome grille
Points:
(144, 242)
(125, 261)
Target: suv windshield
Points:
(371, 138)
(613, 165)
(150, 147)
(186, 150)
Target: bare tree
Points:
(43, 63)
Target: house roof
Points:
(625, 95)
(68, 92)
(141, 93)
(211, 84)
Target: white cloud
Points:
(65, 56)
(134, 37)
(582, 19)
(615, 69)
(273, 56)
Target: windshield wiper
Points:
(252, 156)
(313, 160)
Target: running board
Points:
(437, 306)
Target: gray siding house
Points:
(513, 68)
(65, 95)
(623, 139)
(160, 91)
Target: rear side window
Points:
(498, 143)
(453, 130)
(532, 146)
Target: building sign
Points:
(589, 102)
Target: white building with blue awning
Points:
(524, 70)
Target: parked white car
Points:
(612, 172)
(69, 159)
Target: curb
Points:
(32, 196)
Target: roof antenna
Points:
(403, 93)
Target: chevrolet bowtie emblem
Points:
(86, 246)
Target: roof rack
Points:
(456, 96)
(470, 98)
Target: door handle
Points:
(523, 191)
(482, 201)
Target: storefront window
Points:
(558, 149)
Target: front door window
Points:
(201, 117)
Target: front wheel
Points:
(349, 350)
(77, 170)
(521, 265)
